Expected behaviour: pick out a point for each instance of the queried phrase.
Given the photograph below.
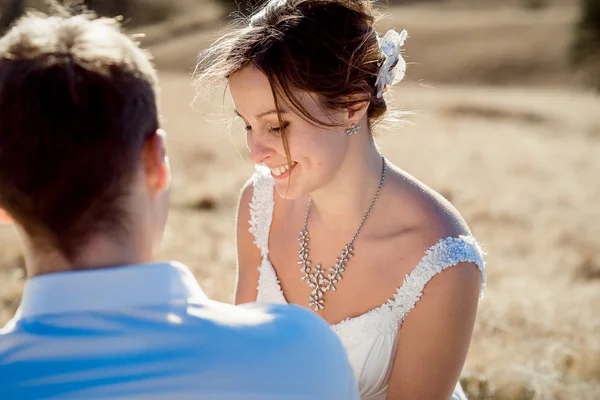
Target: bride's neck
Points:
(343, 202)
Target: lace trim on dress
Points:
(269, 287)
(261, 208)
(388, 317)
(261, 216)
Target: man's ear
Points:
(156, 162)
(4, 217)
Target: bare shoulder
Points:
(424, 221)
(247, 192)
(427, 214)
(245, 198)
(248, 255)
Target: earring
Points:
(353, 130)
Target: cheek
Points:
(321, 148)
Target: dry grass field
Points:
(500, 128)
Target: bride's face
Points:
(316, 151)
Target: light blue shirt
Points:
(149, 332)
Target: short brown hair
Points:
(77, 102)
(325, 47)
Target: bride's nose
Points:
(259, 147)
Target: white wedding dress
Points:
(370, 339)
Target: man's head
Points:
(81, 153)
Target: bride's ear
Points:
(4, 217)
(358, 105)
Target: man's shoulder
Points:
(257, 328)
(282, 341)
(269, 327)
(213, 343)
(255, 317)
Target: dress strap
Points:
(388, 317)
(261, 208)
(446, 253)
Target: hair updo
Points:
(325, 47)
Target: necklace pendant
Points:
(336, 273)
(312, 280)
(316, 302)
(316, 278)
(306, 275)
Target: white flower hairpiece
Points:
(394, 67)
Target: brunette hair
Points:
(77, 102)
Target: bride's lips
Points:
(282, 172)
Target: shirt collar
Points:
(108, 289)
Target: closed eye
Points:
(278, 129)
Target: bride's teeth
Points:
(281, 170)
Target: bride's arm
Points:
(248, 255)
(435, 336)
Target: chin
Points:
(288, 191)
(285, 192)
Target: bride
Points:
(326, 221)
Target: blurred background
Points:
(506, 124)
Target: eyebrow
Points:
(263, 114)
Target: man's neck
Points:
(99, 252)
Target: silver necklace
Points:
(315, 277)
